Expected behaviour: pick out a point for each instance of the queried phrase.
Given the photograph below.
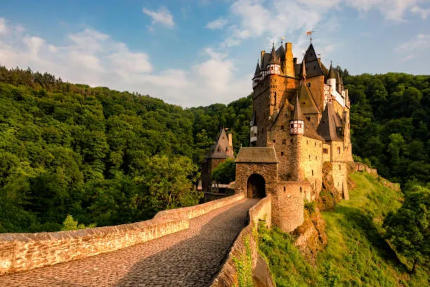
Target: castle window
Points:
(309, 157)
(308, 118)
(274, 141)
(315, 143)
(301, 190)
(284, 188)
(309, 85)
(340, 167)
(282, 153)
(282, 127)
(325, 150)
(312, 172)
(338, 150)
(284, 141)
(291, 140)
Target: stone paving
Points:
(188, 258)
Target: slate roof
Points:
(257, 70)
(329, 121)
(274, 58)
(298, 116)
(331, 73)
(257, 155)
(313, 64)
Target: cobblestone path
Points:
(188, 258)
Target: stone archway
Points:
(256, 186)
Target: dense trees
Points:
(98, 155)
(409, 227)
(109, 157)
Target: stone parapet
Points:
(228, 275)
(25, 251)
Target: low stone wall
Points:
(261, 273)
(25, 251)
(363, 167)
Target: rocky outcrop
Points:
(311, 236)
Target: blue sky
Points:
(202, 52)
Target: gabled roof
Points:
(329, 121)
(221, 148)
(307, 102)
(313, 65)
(257, 155)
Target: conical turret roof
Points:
(257, 70)
(331, 72)
(298, 116)
(303, 70)
(274, 59)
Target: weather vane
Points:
(309, 34)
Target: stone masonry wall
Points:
(311, 153)
(268, 171)
(340, 178)
(25, 251)
(228, 276)
(288, 204)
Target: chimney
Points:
(289, 61)
(230, 140)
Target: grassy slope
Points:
(356, 255)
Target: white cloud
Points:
(94, 58)
(162, 16)
(415, 47)
(423, 13)
(217, 24)
(278, 18)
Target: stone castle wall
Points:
(311, 154)
(25, 251)
(228, 275)
(268, 171)
(288, 204)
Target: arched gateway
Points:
(256, 186)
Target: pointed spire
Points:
(257, 69)
(274, 59)
(331, 72)
(303, 71)
(298, 116)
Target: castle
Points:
(300, 123)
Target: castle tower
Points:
(331, 79)
(297, 129)
(219, 152)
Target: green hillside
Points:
(356, 254)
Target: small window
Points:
(282, 153)
(301, 190)
(308, 118)
(284, 188)
(325, 150)
(274, 141)
(340, 167)
(282, 127)
(309, 157)
(309, 85)
(338, 150)
(284, 141)
(312, 172)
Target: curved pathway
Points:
(187, 258)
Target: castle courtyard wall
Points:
(269, 171)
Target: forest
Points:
(100, 157)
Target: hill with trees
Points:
(107, 157)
